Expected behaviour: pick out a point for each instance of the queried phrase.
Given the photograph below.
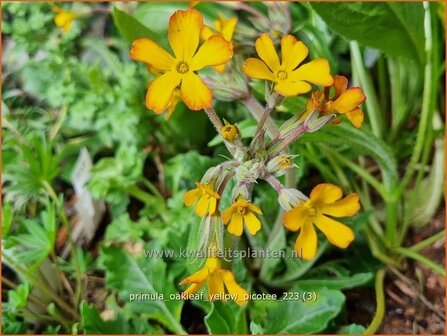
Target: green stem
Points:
(423, 260)
(427, 242)
(257, 111)
(427, 101)
(380, 304)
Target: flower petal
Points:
(206, 33)
(340, 84)
(307, 242)
(191, 196)
(254, 208)
(252, 223)
(216, 286)
(195, 93)
(316, 72)
(198, 277)
(234, 289)
(289, 88)
(325, 193)
(235, 227)
(349, 100)
(160, 91)
(214, 51)
(347, 206)
(202, 206)
(226, 215)
(226, 27)
(255, 68)
(212, 206)
(184, 33)
(266, 51)
(296, 218)
(337, 233)
(194, 288)
(356, 117)
(293, 52)
(148, 51)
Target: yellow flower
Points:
(220, 282)
(289, 77)
(225, 28)
(179, 71)
(207, 197)
(64, 19)
(242, 212)
(229, 132)
(345, 101)
(325, 200)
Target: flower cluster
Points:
(266, 157)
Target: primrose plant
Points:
(266, 157)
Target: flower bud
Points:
(279, 164)
(229, 131)
(289, 198)
(314, 122)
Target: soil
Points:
(415, 299)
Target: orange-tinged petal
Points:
(340, 84)
(235, 227)
(219, 68)
(347, 206)
(160, 91)
(195, 94)
(325, 193)
(289, 88)
(255, 68)
(356, 117)
(184, 33)
(148, 51)
(266, 51)
(307, 242)
(296, 218)
(226, 215)
(233, 288)
(206, 33)
(175, 98)
(349, 100)
(254, 208)
(252, 223)
(214, 51)
(315, 72)
(215, 286)
(191, 196)
(293, 52)
(202, 206)
(337, 233)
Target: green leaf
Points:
(381, 25)
(94, 324)
(226, 318)
(7, 216)
(133, 277)
(299, 317)
(352, 329)
(129, 27)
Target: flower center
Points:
(242, 210)
(311, 209)
(182, 68)
(282, 75)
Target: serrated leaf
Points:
(381, 25)
(226, 318)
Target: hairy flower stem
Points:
(273, 181)
(291, 137)
(257, 111)
(212, 115)
(261, 124)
